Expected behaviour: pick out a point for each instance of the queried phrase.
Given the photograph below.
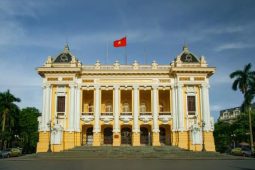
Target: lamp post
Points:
(49, 124)
(234, 142)
(203, 142)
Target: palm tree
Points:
(245, 82)
(7, 107)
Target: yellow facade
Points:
(118, 104)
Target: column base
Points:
(116, 139)
(96, 139)
(135, 139)
(155, 139)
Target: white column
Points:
(206, 107)
(97, 109)
(135, 109)
(174, 113)
(48, 105)
(72, 108)
(43, 119)
(116, 127)
(180, 108)
(155, 109)
(77, 110)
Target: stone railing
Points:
(165, 114)
(125, 67)
(145, 113)
(126, 113)
(107, 114)
(87, 113)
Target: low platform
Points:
(128, 152)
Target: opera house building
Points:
(125, 105)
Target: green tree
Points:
(28, 127)
(222, 135)
(245, 82)
(8, 114)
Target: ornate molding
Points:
(106, 119)
(87, 118)
(145, 118)
(164, 118)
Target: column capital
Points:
(179, 85)
(205, 85)
(72, 85)
(97, 86)
(46, 85)
(135, 86)
(116, 86)
(154, 86)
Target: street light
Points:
(233, 137)
(49, 125)
(203, 142)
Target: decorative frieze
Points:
(184, 78)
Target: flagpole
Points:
(107, 52)
(126, 52)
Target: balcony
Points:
(87, 117)
(106, 117)
(145, 117)
(164, 117)
(126, 117)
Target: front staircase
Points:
(130, 152)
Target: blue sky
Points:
(30, 30)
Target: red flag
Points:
(120, 43)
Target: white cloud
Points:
(216, 108)
(233, 46)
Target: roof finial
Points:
(66, 48)
(185, 47)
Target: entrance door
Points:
(162, 135)
(89, 136)
(144, 137)
(126, 136)
(108, 135)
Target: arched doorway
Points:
(108, 135)
(89, 136)
(144, 136)
(126, 136)
(162, 135)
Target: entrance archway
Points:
(89, 136)
(108, 136)
(144, 136)
(162, 135)
(126, 136)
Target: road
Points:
(126, 164)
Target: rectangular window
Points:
(191, 105)
(61, 104)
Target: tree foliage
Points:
(18, 128)
(228, 134)
(28, 129)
